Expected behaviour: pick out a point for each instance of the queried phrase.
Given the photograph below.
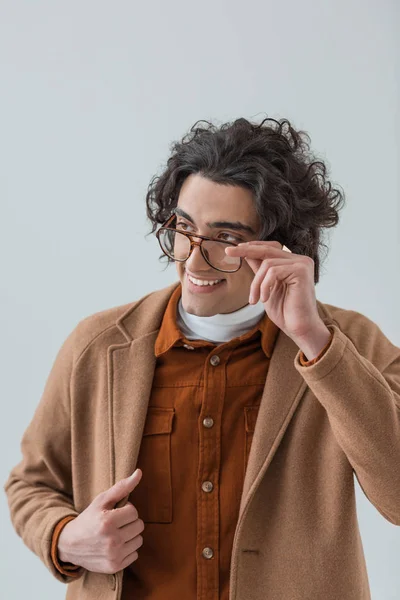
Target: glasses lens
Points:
(177, 246)
(215, 253)
(174, 244)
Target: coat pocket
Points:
(153, 495)
(250, 418)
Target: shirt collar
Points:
(170, 335)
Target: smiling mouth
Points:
(198, 281)
(203, 284)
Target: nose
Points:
(196, 262)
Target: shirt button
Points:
(208, 422)
(207, 486)
(208, 552)
(214, 360)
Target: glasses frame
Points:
(193, 243)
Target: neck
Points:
(221, 327)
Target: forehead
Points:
(204, 200)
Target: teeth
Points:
(203, 282)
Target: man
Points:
(201, 442)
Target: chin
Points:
(193, 308)
(197, 307)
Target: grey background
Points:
(91, 96)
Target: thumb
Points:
(120, 489)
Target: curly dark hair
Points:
(293, 196)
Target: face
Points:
(205, 202)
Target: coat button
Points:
(208, 422)
(207, 486)
(215, 360)
(208, 552)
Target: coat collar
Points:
(131, 367)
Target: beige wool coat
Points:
(297, 535)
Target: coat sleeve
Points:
(39, 488)
(362, 399)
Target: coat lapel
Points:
(284, 387)
(131, 367)
(283, 390)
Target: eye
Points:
(180, 224)
(233, 237)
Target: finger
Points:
(132, 530)
(270, 243)
(260, 251)
(254, 295)
(255, 289)
(254, 263)
(125, 514)
(276, 275)
(129, 559)
(134, 544)
(117, 492)
(277, 244)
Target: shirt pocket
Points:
(153, 495)
(250, 418)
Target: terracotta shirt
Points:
(195, 447)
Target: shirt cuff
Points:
(65, 568)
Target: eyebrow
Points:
(237, 225)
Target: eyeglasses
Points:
(178, 245)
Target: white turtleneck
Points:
(220, 327)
